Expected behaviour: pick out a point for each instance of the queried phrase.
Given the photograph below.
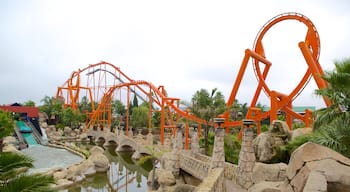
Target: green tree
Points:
(12, 178)
(332, 123)
(51, 106)
(206, 106)
(71, 118)
(6, 126)
(139, 116)
(118, 107)
(29, 103)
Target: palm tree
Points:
(206, 106)
(13, 178)
(332, 123)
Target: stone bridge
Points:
(137, 143)
(211, 171)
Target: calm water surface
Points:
(126, 175)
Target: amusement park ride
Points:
(103, 82)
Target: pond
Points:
(126, 175)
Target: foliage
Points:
(154, 157)
(51, 106)
(6, 126)
(118, 107)
(206, 106)
(71, 118)
(332, 123)
(10, 162)
(139, 116)
(29, 103)
(12, 179)
(335, 136)
(232, 148)
(287, 149)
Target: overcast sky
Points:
(183, 45)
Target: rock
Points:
(266, 186)
(316, 182)
(67, 131)
(136, 155)
(165, 177)
(184, 188)
(10, 148)
(100, 161)
(269, 172)
(60, 174)
(87, 168)
(96, 150)
(312, 157)
(83, 136)
(9, 140)
(72, 172)
(301, 131)
(266, 145)
(43, 125)
(64, 183)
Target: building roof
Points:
(297, 109)
(32, 112)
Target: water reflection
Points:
(124, 175)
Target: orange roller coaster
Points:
(102, 82)
(309, 47)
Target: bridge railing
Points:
(193, 166)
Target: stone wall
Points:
(197, 168)
(214, 182)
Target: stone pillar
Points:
(218, 158)
(246, 157)
(174, 161)
(194, 143)
(149, 138)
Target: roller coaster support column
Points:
(186, 136)
(162, 117)
(274, 106)
(236, 85)
(315, 68)
(289, 117)
(127, 112)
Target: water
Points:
(30, 139)
(125, 175)
(23, 127)
(46, 158)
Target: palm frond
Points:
(30, 183)
(10, 162)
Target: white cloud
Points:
(183, 45)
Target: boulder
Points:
(301, 131)
(64, 183)
(316, 182)
(100, 161)
(312, 157)
(60, 174)
(10, 148)
(87, 168)
(267, 145)
(166, 178)
(269, 172)
(266, 186)
(9, 140)
(96, 150)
